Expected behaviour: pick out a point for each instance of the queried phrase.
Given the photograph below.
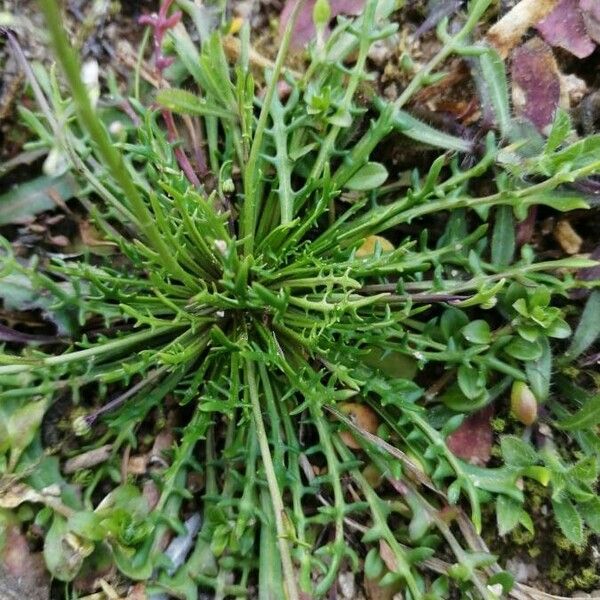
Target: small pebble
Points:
(521, 570)
(391, 92)
(347, 585)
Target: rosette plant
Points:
(282, 298)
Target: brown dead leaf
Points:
(93, 240)
(162, 442)
(22, 571)
(61, 241)
(20, 493)
(363, 416)
(373, 591)
(570, 241)
(151, 493)
(509, 30)
(137, 465)
(373, 475)
(109, 591)
(472, 441)
(387, 556)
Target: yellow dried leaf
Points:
(236, 25)
(570, 241)
(363, 417)
(370, 243)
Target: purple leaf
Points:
(565, 27)
(304, 30)
(591, 17)
(535, 82)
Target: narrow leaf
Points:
(503, 237)
(186, 103)
(539, 371)
(588, 329)
(421, 132)
(496, 88)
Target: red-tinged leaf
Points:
(472, 441)
(304, 30)
(535, 82)
(565, 27)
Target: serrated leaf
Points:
(516, 452)
(587, 416)
(569, 520)
(561, 127)
(558, 200)
(425, 134)
(590, 511)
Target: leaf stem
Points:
(252, 170)
(276, 499)
(90, 121)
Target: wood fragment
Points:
(509, 30)
(88, 459)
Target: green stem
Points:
(251, 171)
(276, 499)
(346, 103)
(90, 121)
(449, 47)
(69, 357)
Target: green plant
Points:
(257, 299)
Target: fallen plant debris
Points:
(536, 85)
(282, 365)
(572, 25)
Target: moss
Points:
(557, 573)
(562, 543)
(498, 424)
(586, 579)
(521, 537)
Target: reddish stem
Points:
(160, 24)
